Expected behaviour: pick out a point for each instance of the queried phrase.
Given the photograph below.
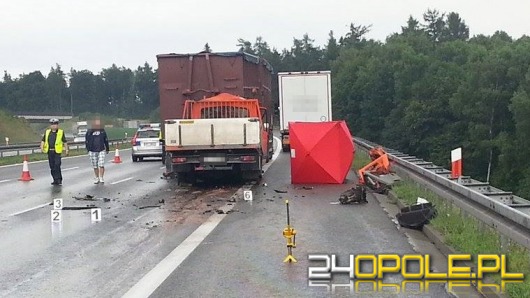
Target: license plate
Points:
(150, 144)
(214, 159)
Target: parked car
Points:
(146, 143)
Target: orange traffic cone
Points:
(117, 158)
(26, 176)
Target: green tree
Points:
(456, 28)
(56, 89)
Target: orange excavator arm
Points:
(380, 164)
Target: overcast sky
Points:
(83, 34)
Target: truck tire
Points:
(285, 148)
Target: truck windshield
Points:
(224, 112)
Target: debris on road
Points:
(106, 200)
(150, 206)
(79, 207)
(416, 216)
(162, 201)
(85, 198)
(356, 194)
(280, 191)
(307, 187)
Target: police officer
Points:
(53, 142)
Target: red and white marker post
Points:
(456, 163)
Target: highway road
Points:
(156, 239)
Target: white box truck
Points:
(304, 96)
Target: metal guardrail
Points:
(514, 210)
(31, 148)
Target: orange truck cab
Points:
(224, 135)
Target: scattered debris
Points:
(416, 216)
(106, 200)
(270, 200)
(307, 187)
(162, 201)
(150, 206)
(356, 194)
(219, 211)
(139, 180)
(85, 198)
(79, 207)
(207, 211)
(232, 200)
(421, 201)
(208, 205)
(280, 191)
(264, 184)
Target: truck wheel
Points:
(285, 148)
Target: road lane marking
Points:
(7, 180)
(70, 169)
(162, 168)
(123, 180)
(154, 278)
(30, 209)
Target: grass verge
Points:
(468, 235)
(361, 159)
(115, 133)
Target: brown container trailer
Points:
(197, 76)
(217, 112)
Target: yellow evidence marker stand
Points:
(290, 234)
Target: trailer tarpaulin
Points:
(321, 152)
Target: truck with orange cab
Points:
(216, 109)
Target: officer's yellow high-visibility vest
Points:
(58, 141)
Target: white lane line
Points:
(154, 278)
(7, 180)
(162, 168)
(30, 209)
(70, 169)
(120, 181)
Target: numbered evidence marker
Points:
(57, 215)
(57, 204)
(247, 195)
(95, 214)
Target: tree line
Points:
(424, 90)
(116, 91)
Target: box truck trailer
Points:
(303, 96)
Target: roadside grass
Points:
(10, 160)
(360, 160)
(17, 130)
(115, 133)
(468, 235)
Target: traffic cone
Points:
(117, 158)
(26, 176)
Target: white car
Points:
(146, 143)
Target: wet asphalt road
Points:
(242, 257)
